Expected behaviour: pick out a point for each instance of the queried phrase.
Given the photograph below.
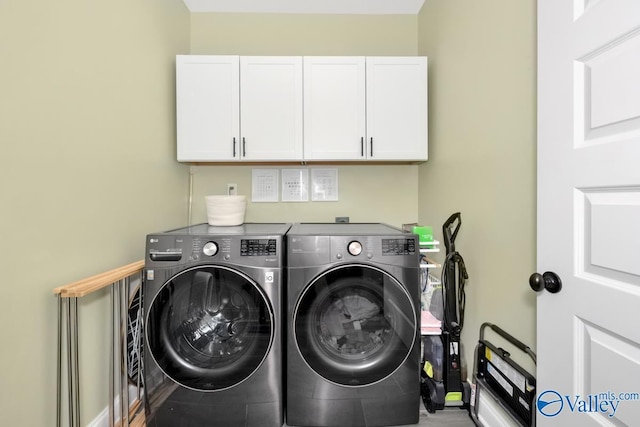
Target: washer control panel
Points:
(258, 247)
(251, 245)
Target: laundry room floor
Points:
(449, 417)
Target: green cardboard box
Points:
(425, 234)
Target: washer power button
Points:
(210, 249)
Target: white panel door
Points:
(271, 108)
(207, 107)
(588, 341)
(396, 108)
(334, 108)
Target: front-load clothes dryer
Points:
(353, 352)
(212, 342)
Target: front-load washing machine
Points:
(213, 344)
(353, 352)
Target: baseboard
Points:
(102, 420)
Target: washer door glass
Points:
(355, 325)
(209, 328)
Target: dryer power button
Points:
(355, 248)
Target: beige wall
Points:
(367, 193)
(482, 152)
(278, 34)
(87, 169)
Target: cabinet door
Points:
(207, 107)
(271, 108)
(397, 108)
(334, 108)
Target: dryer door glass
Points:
(355, 325)
(209, 328)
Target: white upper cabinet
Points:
(397, 108)
(358, 108)
(207, 107)
(334, 108)
(259, 108)
(239, 108)
(271, 108)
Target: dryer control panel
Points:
(398, 246)
(388, 249)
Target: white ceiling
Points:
(360, 7)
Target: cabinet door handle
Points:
(234, 146)
(244, 147)
(362, 146)
(371, 144)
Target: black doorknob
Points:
(549, 281)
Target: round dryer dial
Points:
(210, 248)
(354, 248)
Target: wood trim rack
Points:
(119, 282)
